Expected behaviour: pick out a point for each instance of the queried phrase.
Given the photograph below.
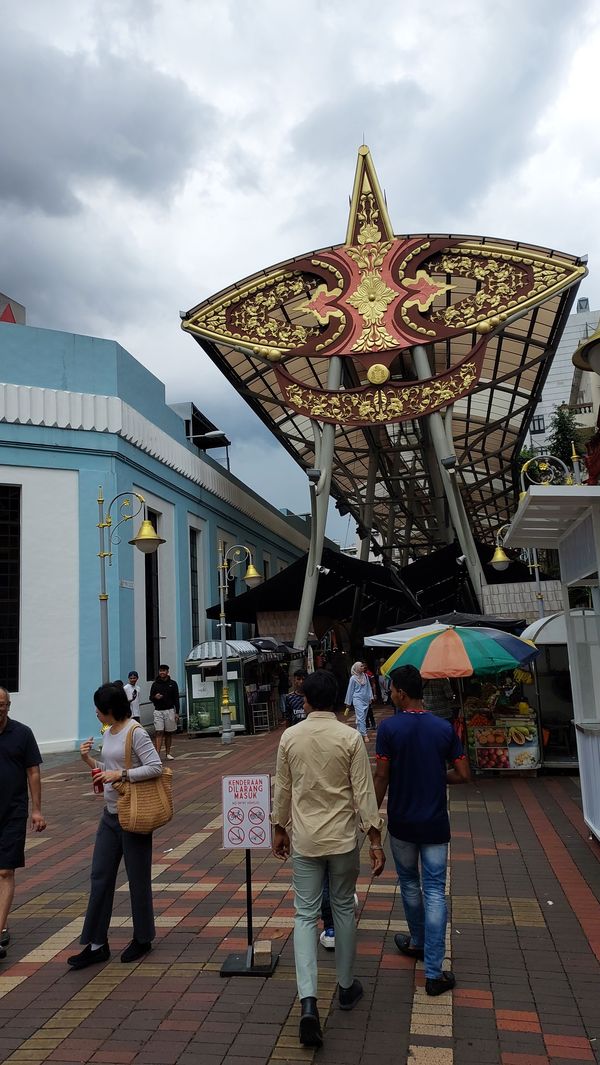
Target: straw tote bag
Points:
(144, 805)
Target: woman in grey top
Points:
(112, 843)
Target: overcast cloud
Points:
(154, 152)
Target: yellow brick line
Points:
(433, 1017)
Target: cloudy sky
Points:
(155, 151)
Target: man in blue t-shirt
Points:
(414, 749)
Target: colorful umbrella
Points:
(458, 651)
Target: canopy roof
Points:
(296, 305)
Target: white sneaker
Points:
(327, 939)
(170, 757)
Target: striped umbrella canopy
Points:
(458, 651)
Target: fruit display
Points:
(493, 758)
(521, 734)
(490, 737)
(508, 743)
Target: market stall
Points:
(502, 731)
(499, 726)
(252, 681)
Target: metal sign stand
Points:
(243, 963)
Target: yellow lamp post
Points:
(228, 562)
(146, 540)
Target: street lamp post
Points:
(235, 556)
(146, 540)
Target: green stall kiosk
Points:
(251, 680)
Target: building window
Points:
(266, 567)
(538, 424)
(10, 582)
(194, 591)
(152, 606)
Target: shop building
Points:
(77, 413)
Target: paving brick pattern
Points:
(524, 939)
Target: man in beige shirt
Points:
(323, 779)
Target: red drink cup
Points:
(97, 784)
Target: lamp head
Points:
(500, 560)
(252, 577)
(147, 539)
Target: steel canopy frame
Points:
(489, 429)
(372, 305)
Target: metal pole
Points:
(226, 729)
(103, 597)
(456, 506)
(539, 595)
(319, 521)
(249, 896)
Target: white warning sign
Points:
(247, 812)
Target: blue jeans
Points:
(424, 897)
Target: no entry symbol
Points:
(256, 836)
(256, 815)
(235, 836)
(235, 816)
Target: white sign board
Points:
(202, 689)
(247, 812)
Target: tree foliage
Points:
(564, 432)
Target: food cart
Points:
(500, 726)
(501, 736)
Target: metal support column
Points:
(456, 506)
(319, 502)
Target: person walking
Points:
(294, 701)
(372, 679)
(20, 761)
(164, 696)
(112, 842)
(132, 691)
(413, 751)
(359, 696)
(323, 777)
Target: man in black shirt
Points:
(294, 702)
(20, 762)
(164, 696)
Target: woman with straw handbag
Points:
(124, 742)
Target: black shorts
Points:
(13, 830)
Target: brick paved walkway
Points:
(524, 943)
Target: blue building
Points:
(78, 413)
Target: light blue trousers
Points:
(308, 889)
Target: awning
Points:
(208, 653)
(551, 631)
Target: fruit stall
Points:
(505, 742)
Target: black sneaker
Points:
(349, 996)
(445, 982)
(404, 946)
(2, 952)
(89, 957)
(135, 950)
(4, 937)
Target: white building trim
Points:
(56, 409)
